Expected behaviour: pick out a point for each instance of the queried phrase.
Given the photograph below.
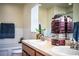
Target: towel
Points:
(76, 31)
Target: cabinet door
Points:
(28, 50)
(39, 54)
(23, 53)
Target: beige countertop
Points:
(47, 49)
(44, 47)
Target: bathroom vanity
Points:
(44, 48)
(33, 48)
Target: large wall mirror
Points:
(48, 10)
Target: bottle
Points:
(72, 44)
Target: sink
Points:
(37, 42)
(65, 51)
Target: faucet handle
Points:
(76, 46)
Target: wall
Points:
(12, 13)
(69, 11)
(43, 16)
(27, 22)
(50, 15)
(75, 12)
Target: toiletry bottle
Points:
(72, 44)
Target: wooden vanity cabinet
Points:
(39, 54)
(29, 51)
(24, 53)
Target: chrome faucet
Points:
(76, 46)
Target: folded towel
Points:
(76, 31)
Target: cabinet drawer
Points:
(39, 54)
(29, 50)
(23, 53)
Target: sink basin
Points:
(37, 42)
(65, 50)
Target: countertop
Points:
(47, 49)
(43, 47)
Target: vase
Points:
(38, 36)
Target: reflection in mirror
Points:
(48, 10)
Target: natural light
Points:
(34, 18)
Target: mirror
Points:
(48, 10)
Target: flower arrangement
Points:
(40, 32)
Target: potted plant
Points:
(40, 32)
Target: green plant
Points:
(40, 30)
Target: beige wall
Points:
(12, 13)
(59, 10)
(27, 22)
(76, 12)
(43, 17)
(50, 15)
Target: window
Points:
(34, 18)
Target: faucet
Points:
(74, 45)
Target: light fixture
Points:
(69, 3)
(39, 4)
